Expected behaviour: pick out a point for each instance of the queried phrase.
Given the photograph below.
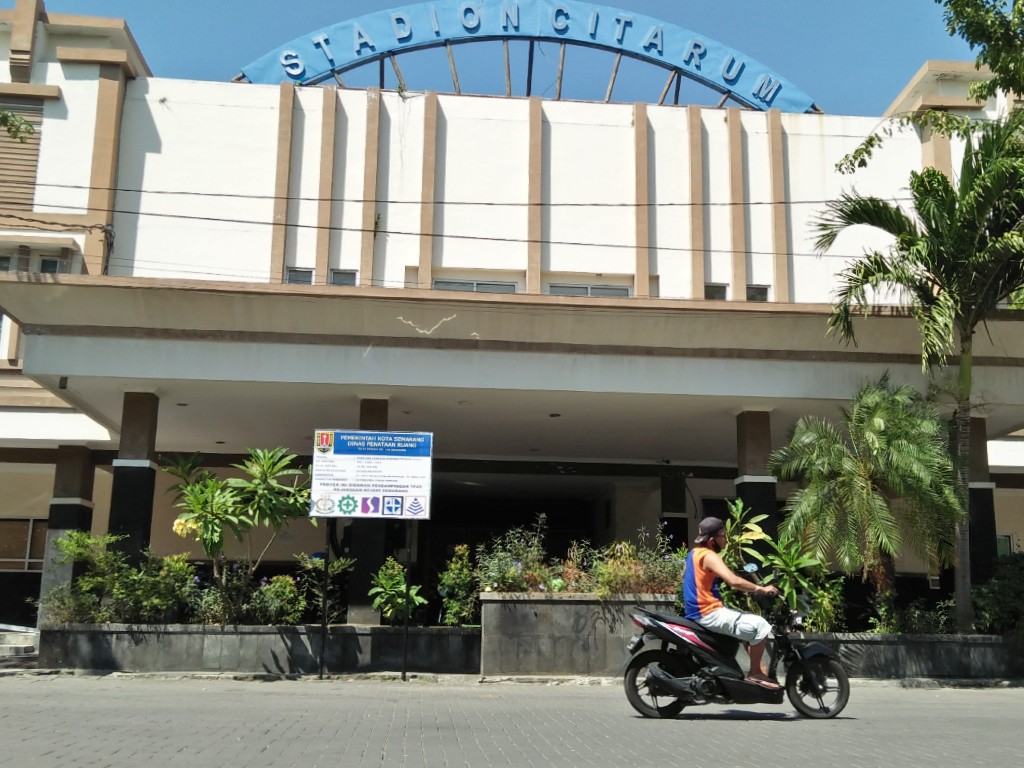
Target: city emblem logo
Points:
(324, 505)
(324, 441)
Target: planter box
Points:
(279, 650)
(940, 656)
(558, 634)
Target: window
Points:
(477, 286)
(53, 265)
(562, 289)
(1004, 545)
(22, 259)
(22, 544)
(757, 293)
(297, 276)
(714, 291)
(343, 277)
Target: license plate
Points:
(634, 642)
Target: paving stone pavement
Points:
(111, 721)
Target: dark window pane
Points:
(757, 293)
(13, 539)
(609, 290)
(453, 285)
(38, 544)
(568, 290)
(496, 287)
(714, 291)
(343, 277)
(300, 276)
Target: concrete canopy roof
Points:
(525, 377)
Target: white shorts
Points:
(748, 627)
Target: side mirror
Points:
(750, 568)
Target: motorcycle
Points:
(673, 663)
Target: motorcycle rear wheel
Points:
(642, 699)
(818, 688)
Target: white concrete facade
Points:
(178, 280)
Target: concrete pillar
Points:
(70, 510)
(754, 487)
(982, 503)
(367, 540)
(131, 497)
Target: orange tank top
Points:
(700, 586)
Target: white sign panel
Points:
(371, 474)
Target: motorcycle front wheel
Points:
(642, 699)
(818, 687)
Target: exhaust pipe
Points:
(661, 683)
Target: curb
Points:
(923, 683)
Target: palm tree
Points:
(955, 259)
(886, 482)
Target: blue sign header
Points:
(313, 58)
(415, 444)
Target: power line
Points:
(448, 235)
(468, 203)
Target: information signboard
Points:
(360, 474)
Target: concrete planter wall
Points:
(274, 650)
(940, 656)
(557, 634)
(574, 634)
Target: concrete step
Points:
(26, 661)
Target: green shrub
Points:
(311, 570)
(277, 600)
(918, 619)
(390, 596)
(515, 561)
(649, 565)
(110, 589)
(999, 604)
(458, 589)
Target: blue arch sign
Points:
(313, 58)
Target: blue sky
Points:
(851, 56)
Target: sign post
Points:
(370, 475)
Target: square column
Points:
(70, 510)
(754, 486)
(131, 496)
(367, 541)
(982, 503)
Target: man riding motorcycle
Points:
(705, 571)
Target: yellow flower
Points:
(184, 527)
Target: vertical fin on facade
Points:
(370, 222)
(642, 284)
(428, 191)
(737, 209)
(535, 212)
(780, 226)
(325, 197)
(697, 230)
(285, 126)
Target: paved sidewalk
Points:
(53, 721)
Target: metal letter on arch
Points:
(433, 24)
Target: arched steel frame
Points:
(327, 54)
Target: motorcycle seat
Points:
(682, 621)
(671, 618)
